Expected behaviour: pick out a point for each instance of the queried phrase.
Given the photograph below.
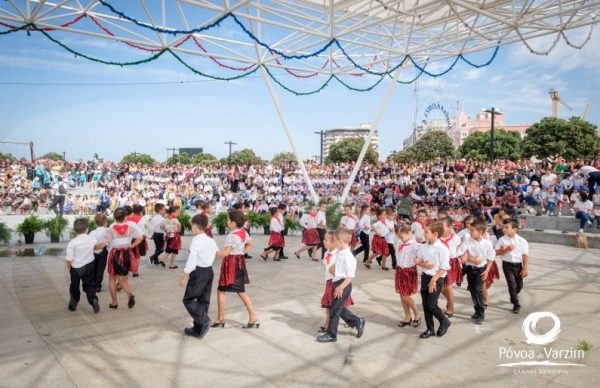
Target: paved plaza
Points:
(45, 345)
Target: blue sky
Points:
(115, 120)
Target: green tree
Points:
(179, 158)
(348, 150)
(135, 157)
(55, 156)
(7, 156)
(203, 158)
(554, 137)
(245, 156)
(284, 157)
(433, 145)
(406, 155)
(507, 145)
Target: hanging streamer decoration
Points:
(247, 70)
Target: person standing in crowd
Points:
(60, 193)
(276, 242)
(310, 235)
(514, 251)
(322, 227)
(406, 280)
(158, 232)
(173, 236)
(364, 227)
(100, 234)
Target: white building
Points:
(335, 135)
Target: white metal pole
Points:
(282, 118)
(374, 125)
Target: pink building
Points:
(463, 126)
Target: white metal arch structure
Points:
(310, 38)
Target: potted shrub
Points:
(55, 227)
(290, 225)
(220, 222)
(264, 220)
(29, 227)
(254, 220)
(186, 222)
(5, 233)
(334, 215)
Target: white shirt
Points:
(483, 249)
(236, 242)
(452, 242)
(390, 238)
(321, 220)
(345, 265)
(80, 250)
(202, 253)
(331, 254)
(521, 247)
(417, 229)
(436, 254)
(349, 222)
(365, 224)
(100, 234)
(586, 170)
(277, 225)
(408, 253)
(381, 228)
(158, 224)
(308, 222)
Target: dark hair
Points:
(128, 209)
(436, 227)
(584, 196)
(479, 225)
(236, 206)
(120, 214)
(238, 217)
(80, 225)
(158, 207)
(172, 209)
(273, 211)
(205, 205)
(200, 220)
(512, 222)
(282, 206)
(138, 209)
(379, 212)
(100, 219)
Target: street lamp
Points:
(320, 133)
(230, 143)
(493, 112)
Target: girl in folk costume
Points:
(234, 275)
(329, 261)
(276, 242)
(120, 256)
(137, 218)
(205, 209)
(407, 278)
(310, 235)
(173, 239)
(454, 275)
(364, 228)
(379, 245)
(418, 227)
(350, 223)
(390, 239)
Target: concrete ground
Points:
(45, 345)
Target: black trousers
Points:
(337, 310)
(85, 276)
(364, 246)
(159, 242)
(430, 301)
(58, 204)
(281, 249)
(393, 254)
(321, 246)
(593, 179)
(100, 266)
(197, 294)
(514, 280)
(476, 288)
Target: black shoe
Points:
(71, 308)
(404, 323)
(516, 309)
(474, 315)
(98, 289)
(72, 304)
(204, 329)
(283, 257)
(360, 328)
(218, 324)
(95, 305)
(113, 306)
(251, 325)
(478, 320)
(326, 338)
(247, 256)
(131, 302)
(191, 332)
(443, 328)
(427, 334)
(135, 275)
(378, 258)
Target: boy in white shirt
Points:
(343, 272)
(514, 250)
(198, 274)
(477, 255)
(100, 234)
(158, 232)
(80, 264)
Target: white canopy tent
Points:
(312, 38)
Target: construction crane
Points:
(555, 97)
(585, 111)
